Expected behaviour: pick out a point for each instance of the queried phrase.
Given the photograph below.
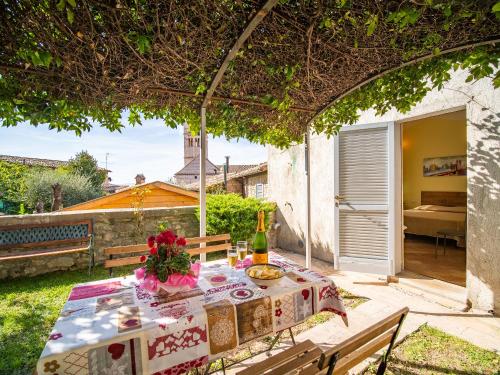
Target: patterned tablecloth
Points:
(113, 327)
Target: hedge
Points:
(231, 213)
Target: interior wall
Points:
(443, 135)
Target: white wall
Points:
(482, 105)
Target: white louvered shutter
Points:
(363, 235)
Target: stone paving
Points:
(477, 327)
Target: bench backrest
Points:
(347, 354)
(137, 251)
(291, 360)
(38, 235)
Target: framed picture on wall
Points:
(445, 166)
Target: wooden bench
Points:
(193, 248)
(43, 240)
(307, 358)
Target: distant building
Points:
(190, 173)
(154, 194)
(37, 162)
(110, 188)
(249, 182)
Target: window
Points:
(259, 190)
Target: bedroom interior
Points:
(434, 196)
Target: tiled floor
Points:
(419, 258)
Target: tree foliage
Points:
(230, 213)
(75, 188)
(73, 64)
(12, 185)
(85, 164)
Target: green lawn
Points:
(29, 308)
(431, 351)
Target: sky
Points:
(152, 149)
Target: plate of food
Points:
(265, 274)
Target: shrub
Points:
(12, 186)
(75, 188)
(230, 213)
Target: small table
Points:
(446, 234)
(113, 326)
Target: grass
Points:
(431, 351)
(29, 308)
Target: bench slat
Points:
(298, 363)
(56, 242)
(359, 355)
(198, 240)
(34, 254)
(108, 263)
(354, 342)
(130, 249)
(208, 249)
(278, 359)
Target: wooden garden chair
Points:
(308, 359)
(124, 255)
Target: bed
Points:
(439, 211)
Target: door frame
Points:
(399, 155)
(394, 204)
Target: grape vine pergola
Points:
(269, 71)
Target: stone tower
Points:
(191, 145)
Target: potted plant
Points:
(168, 266)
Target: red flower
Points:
(153, 251)
(151, 241)
(168, 237)
(142, 258)
(181, 241)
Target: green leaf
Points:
(201, 88)
(436, 51)
(61, 5)
(72, 3)
(372, 24)
(143, 44)
(70, 15)
(496, 9)
(45, 58)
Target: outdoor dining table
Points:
(115, 327)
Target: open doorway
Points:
(434, 152)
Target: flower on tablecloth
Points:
(55, 336)
(278, 312)
(51, 366)
(278, 303)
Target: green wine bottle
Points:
(259, 246)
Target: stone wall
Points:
(112, 227)
(482, 106)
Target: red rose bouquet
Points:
(167, 266)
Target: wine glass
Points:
(242, 247)
(232, 256)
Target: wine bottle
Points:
(259, 245)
